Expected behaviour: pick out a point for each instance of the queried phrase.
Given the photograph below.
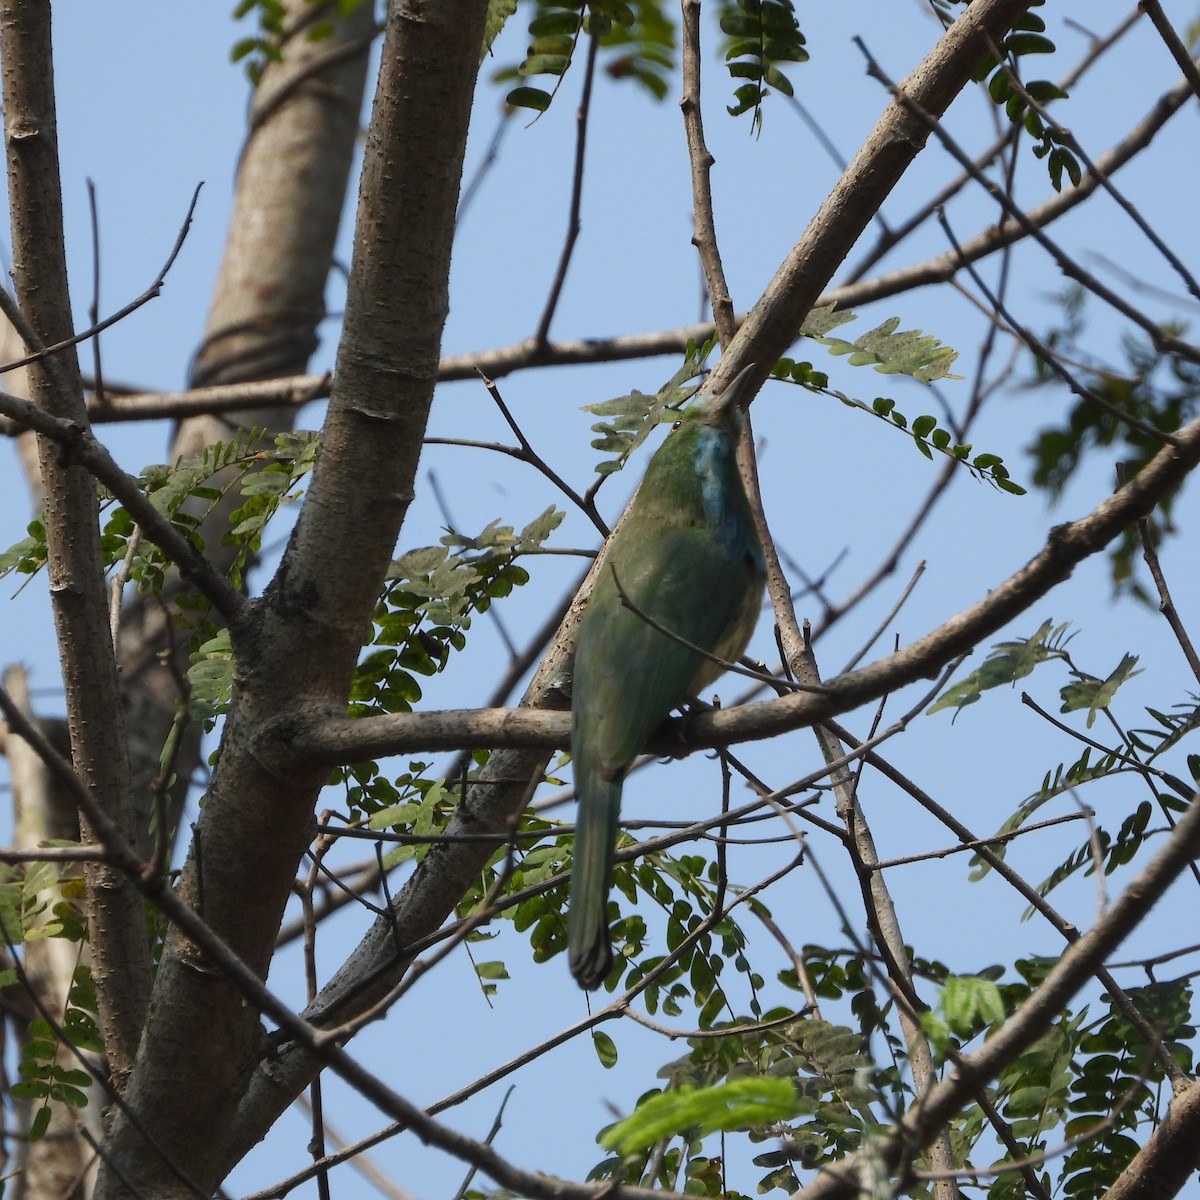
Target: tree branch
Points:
(121, 959)
(1027, 1024)
(317, 735)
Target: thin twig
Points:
(94, 307)
(1173, 42)
(1166, 605)
(541, 337)
(531, 456)
(119, 580)
(1160, 338)
(701, 160)
(151, 293)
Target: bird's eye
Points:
(676, 426)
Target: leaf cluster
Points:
(1005, 664)
(37, 902)
(636, 38)
(1137, 754)
(427, 605)
(1115, 1091)
(1092, 1083)
(761, 36)
(1158, 389)
(1019, 98)
(628, 420)
(410, 803)
(187, 494)
(908, 352)
(798, 1085)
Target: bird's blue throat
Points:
(714, 459)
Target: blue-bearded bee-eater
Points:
(688, 557)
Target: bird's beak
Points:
(736, 395)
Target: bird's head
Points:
(727, 407)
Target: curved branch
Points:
(528, 354)
(1077, 963)
(316, 736)
(79, 446)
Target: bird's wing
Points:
(628, 675)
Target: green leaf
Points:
(1096, 694)
(564, 22)
(606, 1048)
(633, 417)
(1007, 663)
(40, 1122)
(1028, 43)
(739, 1104)
(544, 64)
(967, 999)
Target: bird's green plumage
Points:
(688, 558)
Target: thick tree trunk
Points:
(268, 300)
(299, 644)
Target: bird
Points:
(688, 558)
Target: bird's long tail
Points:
(590, 951)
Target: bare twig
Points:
(1153, 9)
(39, 352)
(541, 337)
(1166, 605)
(701, 159)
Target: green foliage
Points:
(637, 41)
(910, 353)
(186, 494)
(1094, 1083)
(795, 1084)
(411, 804)
(761, 36)
(968, 1004)
(1114, 1093)
(37, 902)
(265, 46)
(498, 12)
(28, 556)
(630, 419)
(210, 676)
(1008, 662)
(643, 50)
(1021, 100)
(1136, 753)
(421, 619)
(738, 1104)
(1096, 694)
(427, 605)
(1159, 390)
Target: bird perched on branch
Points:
(685, 566)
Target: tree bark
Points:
(120, 954)
(299, 644)
(267, 302)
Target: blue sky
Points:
(149, 106)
